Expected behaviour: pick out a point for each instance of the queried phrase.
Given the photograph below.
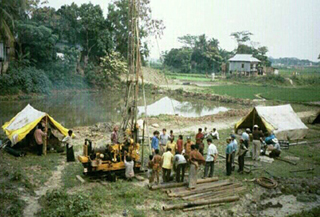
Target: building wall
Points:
(239, 66)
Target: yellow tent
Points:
(281, 120)
(25, 121)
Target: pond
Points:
(171, 106)
(85, 109)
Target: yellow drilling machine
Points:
(110, 158)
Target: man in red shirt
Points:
(199, 141)
(179, 146)
(38, 134)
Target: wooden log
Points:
(298, 171)
(206, 180)
(199, 185)
(202, 207)
(216, 190)
(180, 184)
(211, 193)
(139, 178)
(195, 191)
(287, 161)
(80, 179)
(200, 202)
(230, 192)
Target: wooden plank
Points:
(80, 179)
(139, 178)
(202, 207)
(200, 202)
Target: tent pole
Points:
(46, 138)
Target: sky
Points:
(289, 28)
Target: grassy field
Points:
(290, 94)
(188, 77)
(304, 72)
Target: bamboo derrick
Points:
(225, 193)
(202, 207)
(216, 190)
(180, 184)
(197, 190)
(200, 202)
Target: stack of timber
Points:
(209, 193)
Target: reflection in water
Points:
(86, 109)
(170, 106)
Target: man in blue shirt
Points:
(155, 141)
(229, 151)
(234, 149)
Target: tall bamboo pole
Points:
(44, 150)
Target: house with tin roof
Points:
(244, 64)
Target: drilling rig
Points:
(110, 159)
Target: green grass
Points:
(304, 72)
(24, 173)
(290, 94)
(188, 77)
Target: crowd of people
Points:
(170, 156)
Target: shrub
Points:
(59, 203)
(28, 80)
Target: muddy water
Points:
(84, 109)
(171, 106)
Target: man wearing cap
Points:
(245, 137)
(257, 139)
(234, 149)
(163, 141)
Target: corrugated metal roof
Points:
(243, 58)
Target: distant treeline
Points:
(200, 54)
(292, 61)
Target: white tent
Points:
(281, 120)
(25, 121)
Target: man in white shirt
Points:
(129, 164)
(215, 134)
(180, 166)
(163, 141)
(246, 138)
(212, 155)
